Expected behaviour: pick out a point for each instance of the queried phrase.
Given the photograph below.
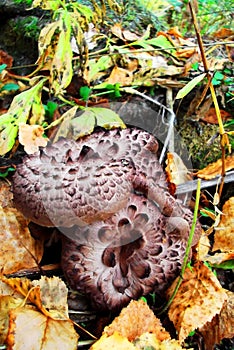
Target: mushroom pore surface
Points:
(125, 235)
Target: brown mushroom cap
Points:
(71, 183)
(125, 256)
(127, 234)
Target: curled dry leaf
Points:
(18, 249)
(136, 319)
(222, 325)
(53, 296)
(124, 34)
(120, 75)
(199, 298)
(214, 169)
(31, 137)
(35, 308)
(49, 295)
(176, 171)
(224, 232)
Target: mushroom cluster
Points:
(123, 234)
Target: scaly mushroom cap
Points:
(107, 192)
(124, 257)
(71, 183)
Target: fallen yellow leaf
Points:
(224, 232)
(199, 298)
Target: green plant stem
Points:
(189, 245)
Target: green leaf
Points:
(195, 65)
(188, 87)
(10, 87)
(2, 67)
(226, 265)
(85, 92)
(6, 173)
(47, 4)
(19, 112)
(61, 67)
(50, 108)
(95, 116)
(163, 42)
(102, 64)
(217, 78)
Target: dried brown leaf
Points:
(222, 325)
(124, 34)
(199, 298)
(18, 249)
(215, 168)
(49, 295)
(53, 297)
(224, 232)
(176, 171)
(121, 76)
(136, 319)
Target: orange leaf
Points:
(199, 298)
(121, 76)
(215, 168)
(136, 319)
(18, 250)
(222, 325)
(211, 116)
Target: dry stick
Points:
(188, 248)
(224, 141)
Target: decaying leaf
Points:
(199, 298)
(176, 171)
(53, 295)
(35, 308)
(224, 232)
(30, 329)
(215, 168)
(203, 247)
(211, 117)
(136, 319)
(49, 295)
(7, 302)
(121, 76)
(18, 249)
(222, 325)
(31, 137)
(150, 341)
